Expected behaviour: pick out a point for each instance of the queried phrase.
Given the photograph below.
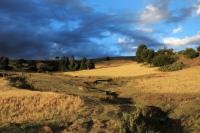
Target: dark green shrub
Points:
(20, 82)
(173, 67)
(191, 53)
(149, 119)
(162, 60)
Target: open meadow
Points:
(78, 101)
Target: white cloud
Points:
(182, 41)
(125, 40)
(145, 29)
(177, 30)
(197, 8)
(152, 14)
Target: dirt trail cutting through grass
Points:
(125, 70)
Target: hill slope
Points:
(122, 70)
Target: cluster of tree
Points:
(60, 64)
(191, 53)
(70, 64)
(160, 58)
(164, 56)
(144, 54)
(4, 63)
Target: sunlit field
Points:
(123, 70)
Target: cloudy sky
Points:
(95, 28)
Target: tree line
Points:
(163, 57)
(59, 64)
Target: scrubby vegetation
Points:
(20, 81)
(149, 119)
(164, 58)
(160, 58)
(172, 67)
(191, 53)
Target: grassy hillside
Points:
(78, 101)
(128, 69)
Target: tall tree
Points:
(4, 63)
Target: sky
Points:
(43, 29)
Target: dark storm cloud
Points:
(26, 29)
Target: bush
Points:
(149, 119)
(162, 60)
(20, 82)
(173, 67)
(191, 53)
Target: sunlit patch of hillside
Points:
(123, 70)
(184, 81)
(18, 106)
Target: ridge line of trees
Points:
(164, 56)
(59, 64)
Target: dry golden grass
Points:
(18, 106)
(124, 70)
(184, 81)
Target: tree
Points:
(57, 58)
(83, 64)
(140, 53)
(150, 55)
(72, 64)
(191, 53)
(64, 63)
(90, 65)
(4, 63)
(19, 63)
(31, 66)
